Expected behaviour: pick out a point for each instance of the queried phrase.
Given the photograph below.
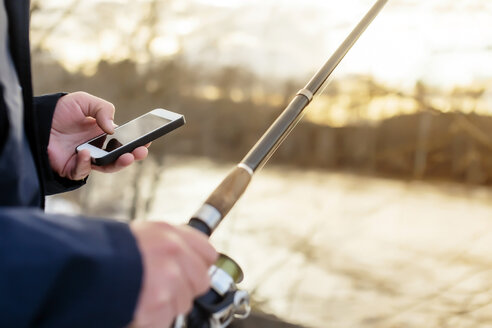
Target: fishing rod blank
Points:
(224, 301)
(223, 198)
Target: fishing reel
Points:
(223, 303)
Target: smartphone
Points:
(106, 148)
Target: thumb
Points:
(106, 124)
(104, 118)
(82, 166)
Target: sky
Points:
(441, 42)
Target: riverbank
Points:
(336, 250)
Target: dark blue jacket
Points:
(55, 271)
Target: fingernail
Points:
(111, 126)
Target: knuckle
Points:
(109, 108)
(213, 255)
(77, 93)
(173, 277)
(81, 94)
(209, 255)
(159, 225)
(174, 248)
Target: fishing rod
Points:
(224, 301)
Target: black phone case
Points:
(113, 155)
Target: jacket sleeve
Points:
(44, 107)
(60, 271)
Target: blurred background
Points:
(375, 212)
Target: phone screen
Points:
(129, 132)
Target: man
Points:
(59, 271)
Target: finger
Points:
(185, 294)
(140, 153)
(199, 243)
(192, 265)
(159, 303)
(175, 292)
(195, 271)
(100, 109)
(82, 166)
(122, 162)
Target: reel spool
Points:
(223, 302)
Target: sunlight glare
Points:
(165, 46)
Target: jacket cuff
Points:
(45, 108)
(100, 283)
(64, 271)
(126, 274)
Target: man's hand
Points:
(79, 117)
(176, 260)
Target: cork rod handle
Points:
(229, 191)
